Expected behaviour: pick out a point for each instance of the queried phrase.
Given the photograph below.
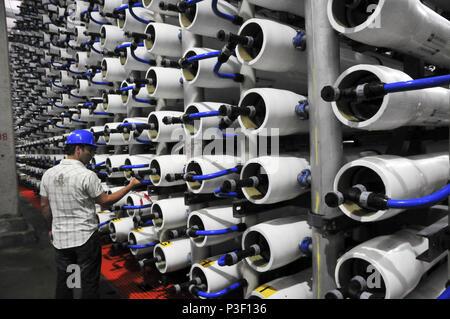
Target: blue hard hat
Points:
(81, 137)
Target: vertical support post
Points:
(9, 192)
(325, 138)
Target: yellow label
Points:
(116, 220)
(266, 290)
(137, 229)
(252, 192)
(166, 243)
(206, 263)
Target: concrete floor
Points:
(27, 271)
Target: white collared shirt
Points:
(71, 189)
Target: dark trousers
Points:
(88, 257)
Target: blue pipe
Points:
(143, 246)
(131, 123)
(219, 293)
(203, 114)
(141, 100)
(121, 8)
(220, 14)
(138, 206)
(221, 260)
(417, 84)
(204, 56)
(126, 88)
(138, 58)
(140, 140)
(422, 201)
(445, 294)
(222, 75)
(98, 22)
(98, 164)
(135, 166)
(216, 231)
(192, 2)
(218, 193)
(104, 223)
(214, 175)
(137, 5)
(95, 50)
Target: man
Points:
(69, 192)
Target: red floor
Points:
(121, 268)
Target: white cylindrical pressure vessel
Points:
(153, 5)
(213, 218)
(174, 255)
(279, 241)
(104, 217)
(112, 137)
(131, 24)
(100, 138)
(165, 39)
(96, 21)
(388, 263)
(277, 178)
(111, 36)
(428, 107)
(84, 88)
(163, 132)
(273, 112)
(386, 22)
(297, 286)
(209, 164)
(66, 78)
(119, 229)
(113, 70)
(200, 18)
(109, 6)
(141, 159)
(113, 103)
(131, 63)
(394, 176)
(142, 236)
(67, 100)
(95, 54)
(80, 37)
(99, 160)
(272, 49)
(172, 213)
(292, 6)
(196, 128)
(81, 59)
(130, 99)
(215, 278)
(164, 83)
(113, 162)
(200, 72)
(167, 164)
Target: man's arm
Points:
(106, 200)
(46, 211)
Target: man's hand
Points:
(50, 237)
(134, 182)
